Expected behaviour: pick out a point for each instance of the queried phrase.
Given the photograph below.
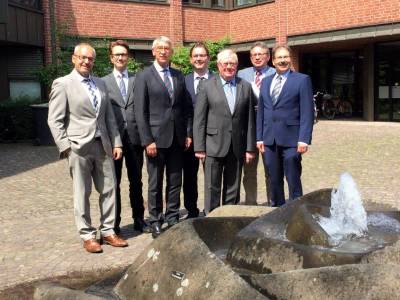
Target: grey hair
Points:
(226, 53)
(260, 44)
(81, 45)
(161, 39)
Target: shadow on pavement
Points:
(19, 157)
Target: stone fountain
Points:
(307, 249)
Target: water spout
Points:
(347, 214)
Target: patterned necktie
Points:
(200, 79)
(230, 96)
(122, 86)
(257, 79)
(167, 83)
(92, 92)
(276, 90)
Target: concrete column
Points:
(368, 83)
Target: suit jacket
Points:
(215, 128)
(124, 112)
(158, 116)
(248, 73)
(189, 81)
(291, 119)
(72, 118)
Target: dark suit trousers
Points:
(225, 170)
(171, 160)
(283, 161)
(133, 155)
(190, 192)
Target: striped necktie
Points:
(122, 86)
(200, 79)
(257, 79)
(276, 90)
(230, 96)
(168, 83)
(92, 93)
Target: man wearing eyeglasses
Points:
(120, 84)
(199, 59)
(83, 125)
(285, 122)
(223, 131)
(164, 117)
(259, 56)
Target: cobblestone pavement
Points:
(38, 234)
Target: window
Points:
(218, 3)
(191, 1)
(36, 4)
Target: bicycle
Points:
(332, 106)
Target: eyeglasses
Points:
(123, 55)
(85, 58)
(163, 48)
(199, 55)
(227, 64)
(282, 57)
(258, 54)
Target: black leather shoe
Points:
(156, 230)
(141, 226)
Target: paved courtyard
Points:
(39, 237)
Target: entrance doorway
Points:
(387, 87)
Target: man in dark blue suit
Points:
(284, 124)
(199, 58)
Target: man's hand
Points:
(151, 150)
(260, 147)
(188, 143)
(302, 148)
(249, 157)
(117, 153)
(201, 155)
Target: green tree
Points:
(181, 60)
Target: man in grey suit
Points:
(199, 58)
(259, 56)
(164, 116)
(82, 123)
(223, 131)
(120, 84)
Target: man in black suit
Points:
(199, 58)
(164, 116)
(120, 84)
(224, 133)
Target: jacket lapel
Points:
(115, 87)
(284, 89)
(238, 92)
(131, 85)
(81, 91)
(158, 79)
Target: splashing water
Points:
(348, 216)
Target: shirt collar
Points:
(80, 77)
(117, 73)
(233, 81)
(158, 67)
(198, 76)
(284, 75)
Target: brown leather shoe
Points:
(115, 241)
(92, 246)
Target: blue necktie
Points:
(168, 83)
(276, 90)
(92, 92)
(230, 96)
(122, 87)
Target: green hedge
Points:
(16, 119)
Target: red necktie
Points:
(257, 80)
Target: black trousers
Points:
(190, 191)
(222, 171)
(133, 156)
(171, 160)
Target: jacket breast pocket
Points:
(212, 131)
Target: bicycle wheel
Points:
(346, 109)
(328, 109)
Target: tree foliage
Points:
(180, 59)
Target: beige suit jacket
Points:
(72, 118)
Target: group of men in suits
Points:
(97, 124)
